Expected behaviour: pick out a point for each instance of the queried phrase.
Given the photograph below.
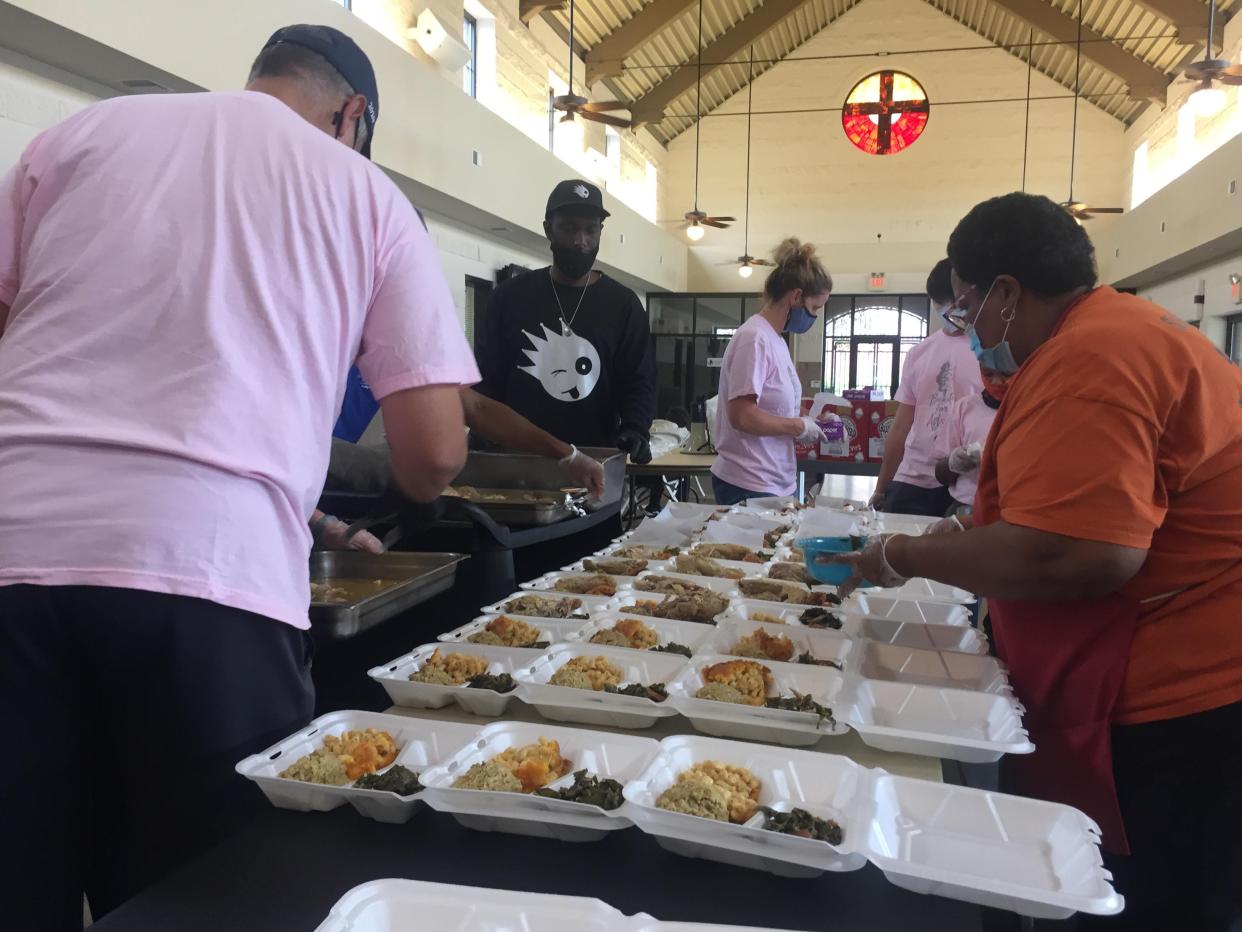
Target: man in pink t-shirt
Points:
(185, 281)
(969, 424)
(939, 371)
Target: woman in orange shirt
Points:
(1107, 539)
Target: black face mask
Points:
(989, 400)
(571, 262)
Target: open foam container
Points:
(420, 744)
(394, 676)
(565, 704)
(691, 634)
(416, 906)
(1036, 858)
(550, 629)
(589, 602)
(547, 582)
(606, 755)
(726, 587)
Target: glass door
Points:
(874, 362)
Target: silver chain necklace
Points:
(567, 325)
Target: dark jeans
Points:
(726, 493)
(902, 498)
(124, 713)
(1177, 781)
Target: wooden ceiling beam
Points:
(606, 60)
(1188, 17)
(1143, 82)
(733, 41)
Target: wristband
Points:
(319, 524)
(573, 454)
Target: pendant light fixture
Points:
(697, 219)
(1076, 209)
(746, 262)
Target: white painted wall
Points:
(32, 98)
(809, 181)
(1177, 294)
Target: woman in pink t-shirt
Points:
(760, 394)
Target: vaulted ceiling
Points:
(646, 51)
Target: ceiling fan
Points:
(1207, 99)
(1077, 209)
(696, 220)
(746, 262)
(572, 105)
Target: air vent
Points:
(143, 86)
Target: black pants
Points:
(1177, 782)
(124, 713)
(726, 493)
(902, 498)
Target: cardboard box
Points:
(880, 419)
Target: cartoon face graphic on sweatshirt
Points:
(567, 366)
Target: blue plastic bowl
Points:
(831, 573)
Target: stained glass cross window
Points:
(885, 112)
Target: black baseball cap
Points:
(343, 54)
(575, 193)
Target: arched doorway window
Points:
(867, 339)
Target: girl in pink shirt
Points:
(757, 420)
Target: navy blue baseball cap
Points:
(343, 54)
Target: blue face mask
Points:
(800, 320)
(999, 358)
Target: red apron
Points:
(1067, 661)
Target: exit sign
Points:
(875, 281)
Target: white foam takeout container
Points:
(746, 569)
(418, 906)
(394, 676)
(547, 582)
(823, 644)
(961, 638)
(564, 704)
(790, 615)
(972, 727)
(607, 756)
(866, 604)
(756, 723)
(629, 597)
(691, 634)
(653, 565)
(1035, 858)
(550, 629)
(726, 587)
(420, 742)
(589, 602)
(921, 590)
(947, 669)
(827, 785)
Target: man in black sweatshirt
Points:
(566, 346)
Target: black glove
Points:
(635, 444)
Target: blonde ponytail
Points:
(797, 266)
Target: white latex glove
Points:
(949, 525)
(584, 471)
(332, 537)
(876, 500)
(966, 458)
(811, 431)
(869, 564)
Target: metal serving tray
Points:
(525, 473)
(419, 576)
